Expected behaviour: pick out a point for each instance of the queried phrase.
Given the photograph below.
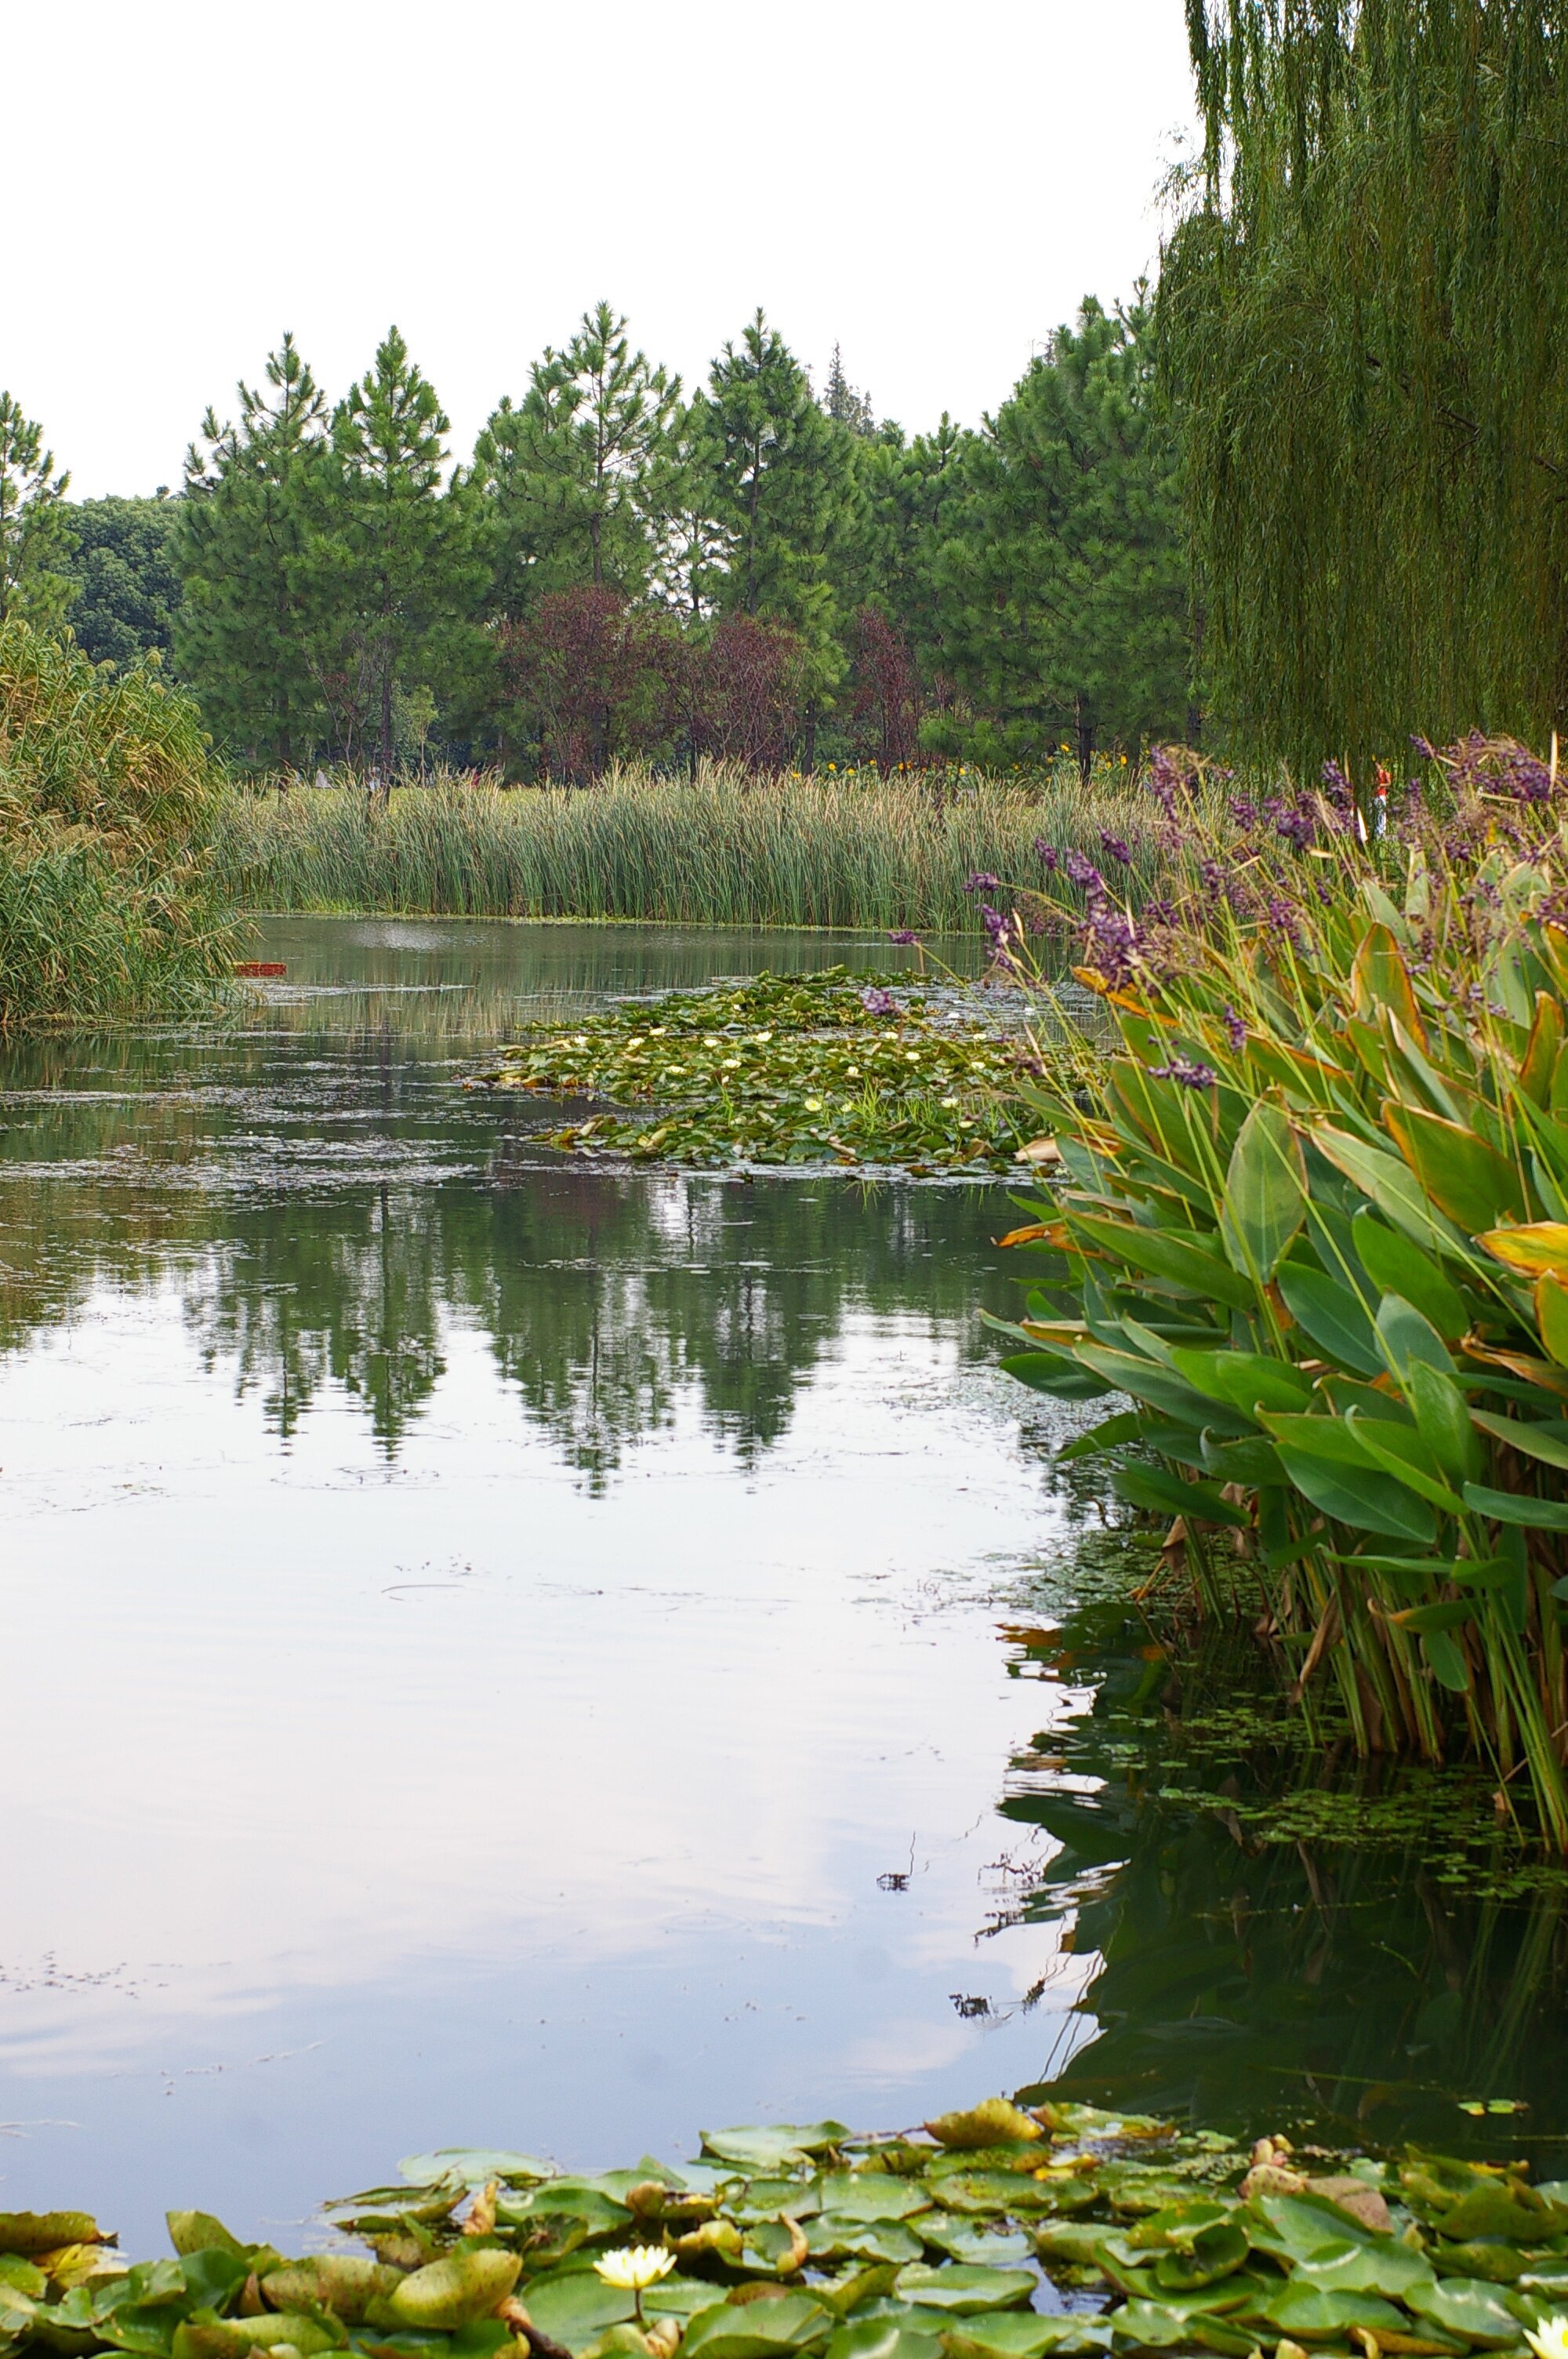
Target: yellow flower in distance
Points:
(1550, 2339)
(634, 2266)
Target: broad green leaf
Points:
(758, 2329)
(1244, 1379)
(953, 2285)
(1387, 2268)
(1394, 1189)
(1303, 2308)
(884, 2338)
(574, 2306)
(1551, 1316)
(1300, 2228)
(1449, 1615)
(1381, 979)
(832, 2238)
(1547, 1443)
(995, 2121)
(1108, 1434)
(1443, 1420)
(1162, 1388)
(1022, 2334)
(1335, 1320)
(1051, 1371)
(1153, 1487)
(1265, 1193)
(1354, 1496)
(45, 2232)
(1463, 1177)
(778, 2146)
(1215, 2252)
(1510, 1507)
(1446, 1658)
(1405, 1336)
(872, 2195)
(473, 2165)
(455, 2291)
(1180, 1258)
(1401, 1451)
(1396, 1264)
(1252, 1463)
(1468, 2308)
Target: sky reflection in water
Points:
(490, 1626)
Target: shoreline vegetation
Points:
(811, 2239)
(727, 847)
(109, 909)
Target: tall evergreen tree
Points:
(781, 487)
(35, 539)
(245, 626)
(398, 553)
(569, 473)
(1062, 591)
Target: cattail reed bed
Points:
(724, 847)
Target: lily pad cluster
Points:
(832, 1068)
(997, 2234)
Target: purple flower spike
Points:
(1186, 1069)
(878, 1002)
(1049, 856)
(901, 934)
(982, 881)
(1117, 848)
(1083, 872)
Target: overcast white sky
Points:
(933, 187)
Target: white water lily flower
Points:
(633, 2266)
(1550, 2339)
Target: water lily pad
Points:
(758, 2329)
(961, 2286)
(882, 2338)
(573, 2305)
(456, 2289)
(994, 2191)
(1298, 2226)
(832, 2238)
(1309, 2312)
(1387, 2268)
(871, 2195)
(994, 2248)
(473, 2165)
(1499, 2264)
(1025, 2334)
(680, 2297)
(1468, 2307)
(45, 2232)
(996, 2122)
(775, 2147)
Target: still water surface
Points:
(497, 1651)
(501, 1652)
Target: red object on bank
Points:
(260, 966)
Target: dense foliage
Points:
(808, 2238)
(107, 794)
(1366, 316)
(124, 586)
(623, 572)
(1315, 1224)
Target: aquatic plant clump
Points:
(107, 792)
(828, 1068)
(996, 2233)
(1316, 1226)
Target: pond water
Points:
(500, 1652)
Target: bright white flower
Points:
(633, 2266)
(1550, 2339)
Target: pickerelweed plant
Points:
(1312, 1220)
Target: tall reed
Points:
(724, 848)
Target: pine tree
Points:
(569, 474)
(396, 553)
(244, 629)
(780, 484)
(35, 539)
(1063, 593)
(843, 403)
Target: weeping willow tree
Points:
(1364, 313)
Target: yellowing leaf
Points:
(1533, 1247)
